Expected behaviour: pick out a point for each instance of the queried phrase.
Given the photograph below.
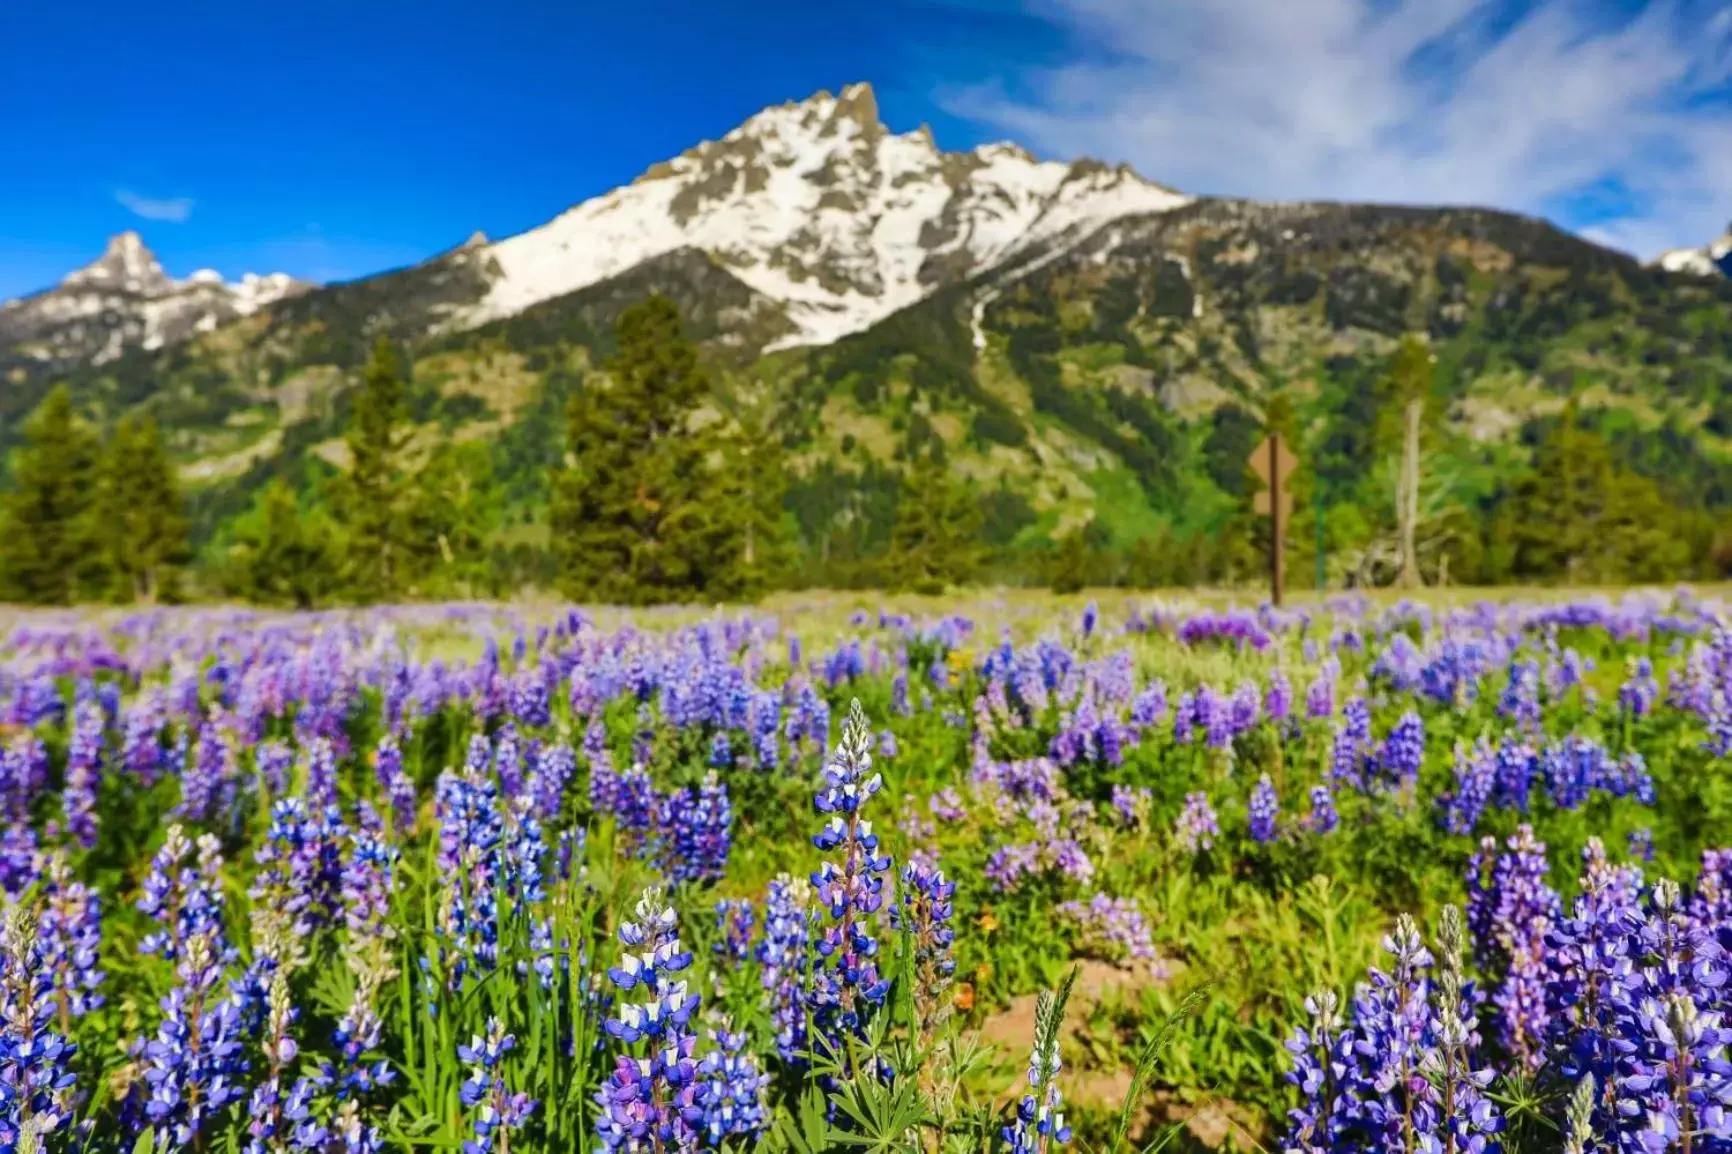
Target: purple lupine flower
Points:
(1132, 804)
(37, 1085)
(141, 748)
(1214, 716)
(1278, 701)
(1475, 780)
(1394, 1106)
(640, 813)
(266, 1122)
(784, 963)
(730, 1094)
(1149, 706)
(1520, 703)
(1466, 1117)
(300, 869)
(810, 720)
(1242, 708)
(1322, 819)
(83, 773)
(1321, 1054)
(471, 837)
(272, 761)
(735, 920)
(1196, 828)
(1038, 1123)
(321, 772)
(1637, 695)
(194, 1066)
(207, 782)
(925, 911)
(69, 936)
(1184, 719)
(1639, 844)
(1510, 910)
(721, 752)
(497, 1110)
(183, 895)
(1239, 628)
(846, 986)
(1350, 749)
(366, 884)
(1590, 992)
(1403, 752)
(1320, 694)
(1516, 766)
(946, 805)
(700, 824)
(1112, 928)
(651, 1102)
(554, 767)
(1265, 806)
(1686, 1081)
(1570, 771)
(530, 703)
(395, 785)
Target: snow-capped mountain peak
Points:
(124, 299)
(124, 265)
(819, 207)
(1713, 259)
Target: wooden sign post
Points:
(1274, 462)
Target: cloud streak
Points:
(173, 210)
(1619, 126)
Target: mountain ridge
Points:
(1087, 346)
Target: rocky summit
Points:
(124, 301)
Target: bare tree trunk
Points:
(1407, 500)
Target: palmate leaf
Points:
(886, 1116)
(807, 1132)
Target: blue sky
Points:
(333, 138)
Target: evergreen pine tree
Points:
(639, 515)
(935, 539)
(451, 518)
(1582, 518)
(139, 519)
(756, 482)
(371, 496)
(45, 530)
(1070, 565)
(282, 554)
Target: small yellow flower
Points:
(988, 922)
(965, 996)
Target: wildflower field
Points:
(963, 876)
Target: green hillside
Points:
(1110, 389)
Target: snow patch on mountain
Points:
(1711, 260)
(817, 206)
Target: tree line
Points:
(670, 491)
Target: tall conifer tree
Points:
(638, 514)
(935, 539)
(371, 496)
(139, 520)
(45, 531)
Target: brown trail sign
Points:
(1274, 462)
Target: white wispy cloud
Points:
(173, 210)
(1535, 109)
